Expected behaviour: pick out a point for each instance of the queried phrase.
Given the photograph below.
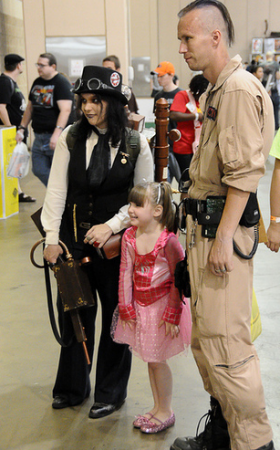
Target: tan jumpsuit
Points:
(237, 134)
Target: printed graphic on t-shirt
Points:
(23, 102)
(43, 95)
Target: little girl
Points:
(152, 318)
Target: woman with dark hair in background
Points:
(96, 162)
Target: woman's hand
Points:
(130, 323)
(52, 252)
(170, 328)
(98, 235)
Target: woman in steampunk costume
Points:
(96, 162)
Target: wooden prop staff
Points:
(162, 134)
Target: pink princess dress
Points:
(147, 294)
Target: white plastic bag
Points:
(19, 163)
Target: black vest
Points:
(95, 206)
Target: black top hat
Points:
(12, 58)
(100, 80)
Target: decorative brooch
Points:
(124, 157)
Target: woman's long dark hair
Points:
(116, 119)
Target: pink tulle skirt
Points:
(147, 340)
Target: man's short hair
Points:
(199, 4)
(11, 67)
(50, 57)
(114, 59)
(269, 54)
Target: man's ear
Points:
(216, 36)
(158, 211)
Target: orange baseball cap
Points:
(165, 67)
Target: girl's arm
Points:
(174, 253)
(126, 308)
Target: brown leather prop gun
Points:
(73, 286)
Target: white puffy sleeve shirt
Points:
(55, 199)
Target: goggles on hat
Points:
(94, 84)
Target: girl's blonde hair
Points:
(156, 194)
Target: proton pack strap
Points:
(72, 136)
(133, 143)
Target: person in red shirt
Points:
(185, 111)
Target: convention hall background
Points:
(28, 350)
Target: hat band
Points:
(94, 84)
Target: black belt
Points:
(198, 210)
(193, 206)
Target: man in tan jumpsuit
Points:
(236, 137)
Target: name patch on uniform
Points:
(211, 113)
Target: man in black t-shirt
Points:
(49, 108)
(165, 72)
(12, 102)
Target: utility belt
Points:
(208, 213)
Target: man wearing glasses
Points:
(49, 108)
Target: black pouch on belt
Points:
(251, 214)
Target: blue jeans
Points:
(42, 157)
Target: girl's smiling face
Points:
(141, 216)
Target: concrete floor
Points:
(29, 356)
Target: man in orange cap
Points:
(165, 72)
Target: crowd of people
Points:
(268, 73)
(99, 175)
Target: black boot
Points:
(214, 437)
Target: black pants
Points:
(113, 360)
(183, 160)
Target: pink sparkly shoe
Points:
(150, 427)
(140, 420)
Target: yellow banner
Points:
(8, 185)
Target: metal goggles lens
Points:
(94, 84)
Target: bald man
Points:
(236, 137)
